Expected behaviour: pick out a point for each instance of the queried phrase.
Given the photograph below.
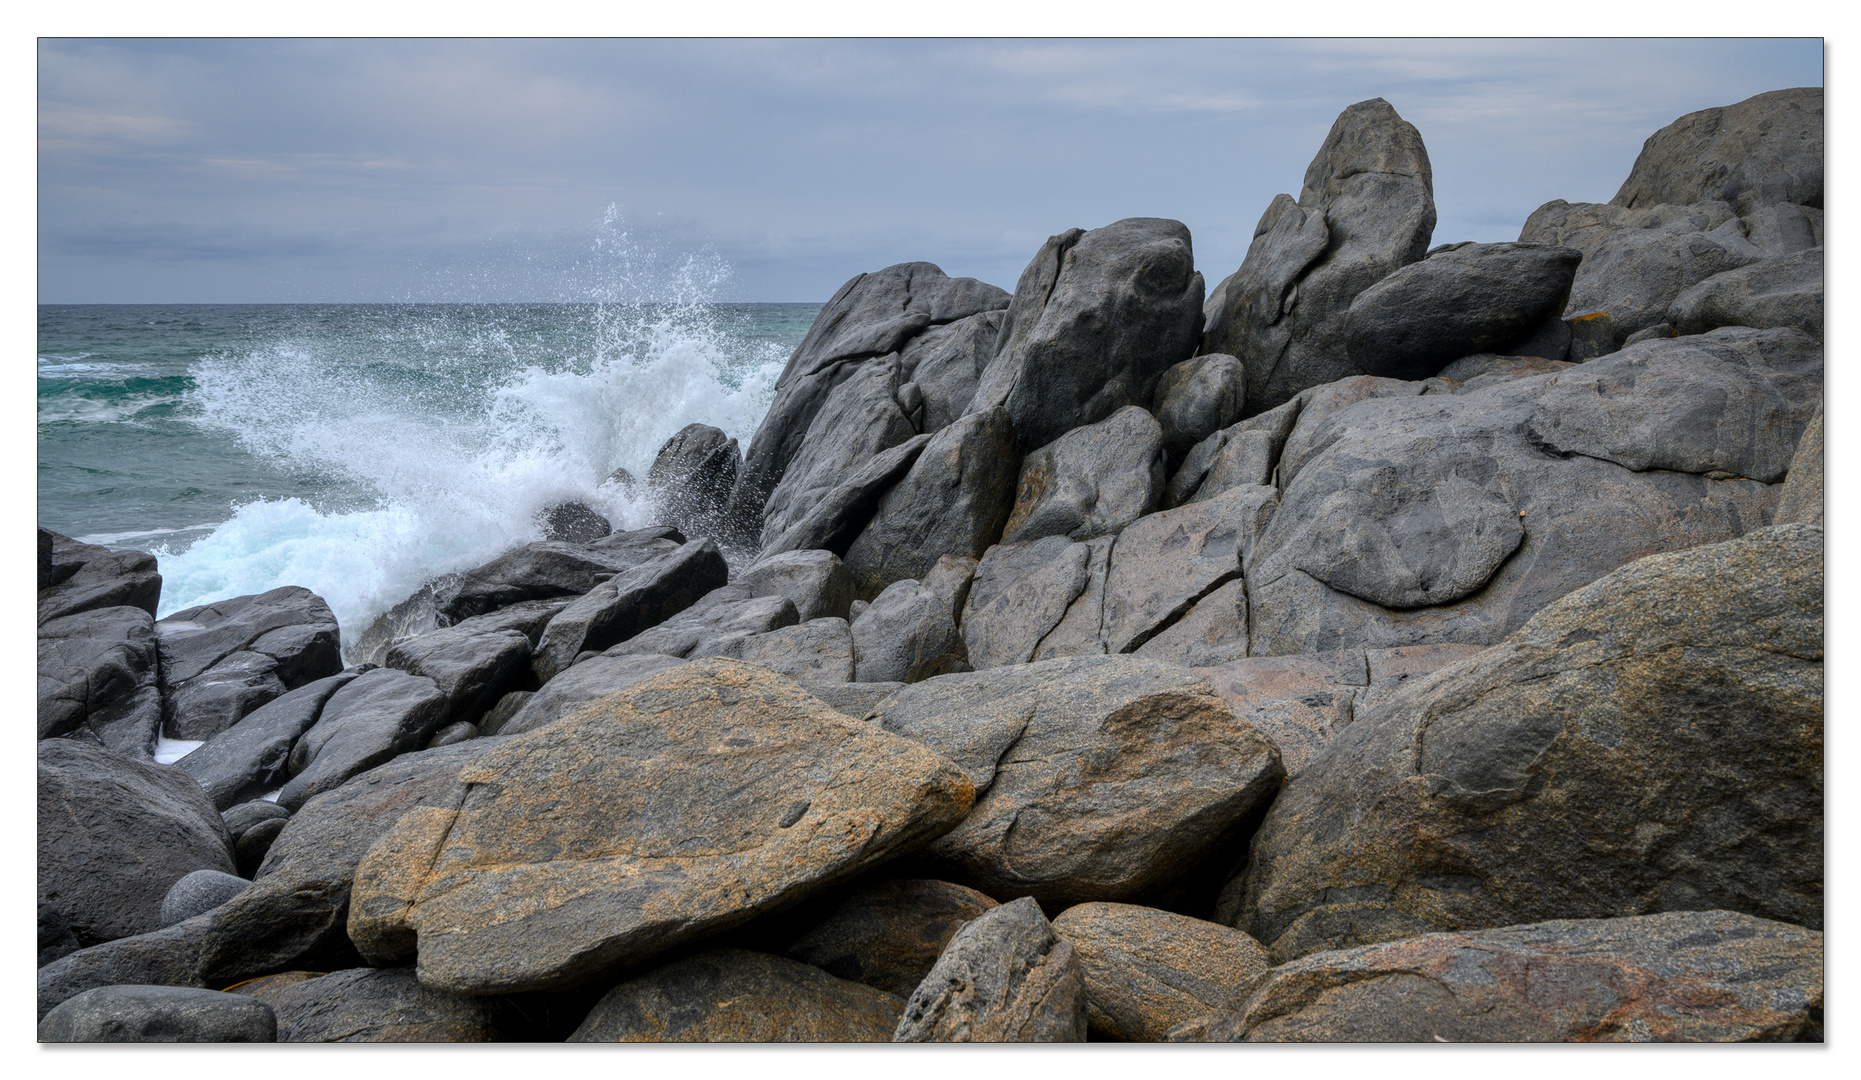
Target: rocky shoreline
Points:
(1390, 643)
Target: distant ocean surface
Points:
(359, 449)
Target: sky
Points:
(331, 170)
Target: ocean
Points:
(358, 450)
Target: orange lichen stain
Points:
(1591, 315)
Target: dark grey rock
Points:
(854, 699)
(166, 957)
(885, 933)
(1091, 481)
(241, 818)
(1097, 777)
(860, 418)
(527, 617)
(114, 833)
(712, 626)
(369, 1005)
(1785, 291)
(907, 635)
(295, 914)
(1764, 150)
(871, 316)
(252, 845)
(416, 615)
(1005, 977)
(574, 522)
(617, 609)
(1636, 261)
(945, 363)
(1650, 742)
(1660, 446)
(1783, 228)
(816, 651)
(158, 1014)
(1593, 335)
(374, 717)
(1097, 318)
(952, 502)
(1652, 333)
(1802, 498)
(691, 478)
(733, 995)
(508, 706)
(586, 681)
(1243, 453)
(251, 758)
(452, 733)
(549, 569)
(199, 893)
(1165, 563)
(1197, 398)
(472, 668)
(815, 580)
(1366, 210)
(98, 668)
(75, 576)
(1471, 298)
(222, 660)
(55, 936)
(836, 520)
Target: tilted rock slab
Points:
(368, 721)
(1652, 742)
(1099, 777)
(886, 934)
(1097, 318)
(1681, 976)
(549, 569)
(733, 995)
(75, 577)
(628, 603)
(1365, 211)
(691, 478)
(1092, 481)
(221, 661)
(252, 758)
(1005, 977)
(97, 669)
(1147, 970)
(689, 803)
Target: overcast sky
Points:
(181, 171)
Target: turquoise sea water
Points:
(359, 449)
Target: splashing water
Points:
(447, 430)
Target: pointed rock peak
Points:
(1368, 137)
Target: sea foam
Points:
(444, 459)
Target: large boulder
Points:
(75, 577)
(369, 1005)
(115, 833)
(295, 914)
(690, 802)
(816, 651)
(199, 893)
(1097, 318)
(1092, 481)
(1651, 742)
(1365, 211)
(1785, 291)
(907, 634)
(886, 933)
(815, 580)
(1453, 518)
(860, 418)
(1764, 150)
(1004, 977)
(158, 1014)
(1146, 971)
(1459, 300)
(952, 502)
(473, 668)
(1098, 778)
(221, 661)
(1197, 398)
(836, 519)
(97, 670)
(252, 758)
(1680, 976)
(871, 317)
(733, 995)
(1637, 261)
(622, 606)
(691, 478)
(373, 718)
(595, 677)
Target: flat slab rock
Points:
(369, 1005)
(1100, 778)
(686, 804)
(1680, 976)
(158, 1014)
(733, 995)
